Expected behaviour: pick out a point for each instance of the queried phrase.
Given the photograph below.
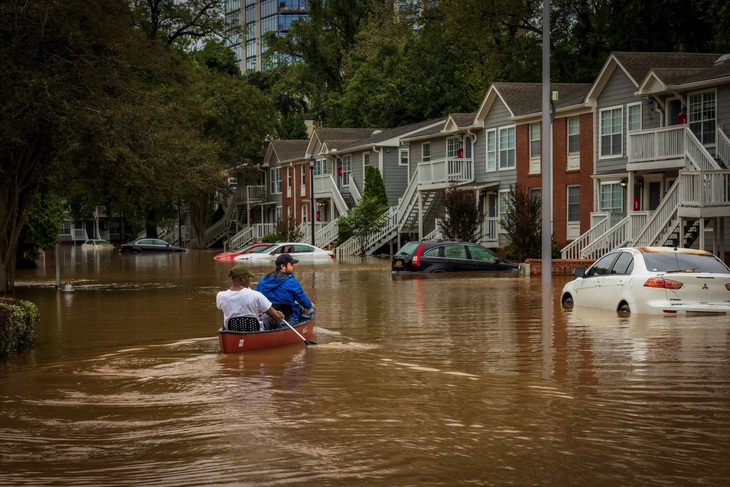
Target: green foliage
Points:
(522, 224)
(344, 230)
(17, 325)
(41, 229)
(366, 219)
(270, 238)
(374, 187)
(288, 231)
(462, 218)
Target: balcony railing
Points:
(442, 172)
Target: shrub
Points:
(17, 325)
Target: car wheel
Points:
(624, 308)
(567, 301)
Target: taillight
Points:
(660, 282)
(416, 262)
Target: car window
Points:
(144, 241)
(408, 249)
(624, 264)
(455, 252)
(601, 266)
(481, 254)
(301, 249)
(677, 261)
(434, 252)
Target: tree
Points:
(178, 22)
(522, 223)
(462, 219)
(64, 63)
(41, 230)
(368, 216)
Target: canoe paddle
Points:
(308, 342)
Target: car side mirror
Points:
(579, 271)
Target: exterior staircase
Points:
(699, 196)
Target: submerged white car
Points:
(300, 251)
(652, 280)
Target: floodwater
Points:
(440, 380)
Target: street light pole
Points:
(312, 162)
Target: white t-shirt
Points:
(245, 302)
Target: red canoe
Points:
(247, 341)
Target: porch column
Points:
(420, 215)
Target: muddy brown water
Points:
(441, 380)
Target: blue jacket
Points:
(280, 287)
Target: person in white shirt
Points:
(241, 300)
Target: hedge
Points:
(17, 325)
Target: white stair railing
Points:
(665, 213)
(723, 147)
(573, 249)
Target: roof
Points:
(289, 150)
(385, 135)
(637, 65)
(526, 98)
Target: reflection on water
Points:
(445, 380)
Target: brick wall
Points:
(560, 267)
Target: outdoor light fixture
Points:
(639, 182)
(312, 162)
(623, 183)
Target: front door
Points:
(655, 194)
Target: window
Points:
(624, 264)
(601, 266)
(305, 209)
(403, 161)
(573, 135)
(426, 151)
(536, 194)
(455, 252)
(304, 175)
(452, 145)
(611, 130)
(366, 159)
(634, 117)
(321, 167)
(66, 229)
(288, 178)
(702, 116)
(278, 213)
(573, 204)
(507, 148)
(491, 150)
(275, 174)
(534, 148)
(534, 140)
(503, 203)
(346, 170)
(481, 254)
(612, 200)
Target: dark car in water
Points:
(447, 256)
(150, 245)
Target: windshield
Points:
(677, 262)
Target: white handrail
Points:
(662, 217)
(723, 146)
(573, 249)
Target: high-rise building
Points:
(249, 20)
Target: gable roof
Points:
(391, 137)
(287, 150)
(636, 66)
(525, 99)
(673, 79)
(334, 138)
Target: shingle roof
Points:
(462, 119)
(289, 150)
(526, 98)
(337, 137)
(638, 64)
(391, 133)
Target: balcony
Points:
(441, 173)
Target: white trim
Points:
(600, 134)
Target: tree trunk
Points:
(199, 209)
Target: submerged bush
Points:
(17, 325)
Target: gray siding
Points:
(723, 108)
(619, 91)
(498, 116)
(394, 175)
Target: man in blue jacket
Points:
(281, 287)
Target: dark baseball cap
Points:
(240, 270)
(285, 259)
